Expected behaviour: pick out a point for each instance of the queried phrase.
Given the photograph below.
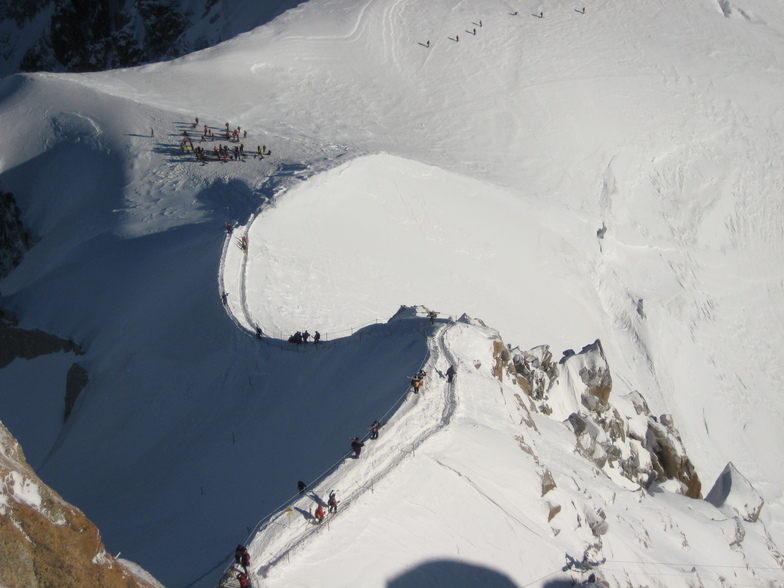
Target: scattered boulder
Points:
(548, 483)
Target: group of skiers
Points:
(300, 337)
(222, 153)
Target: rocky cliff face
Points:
(621, 436)
(44, 541)
(90, 35)
(15, 240)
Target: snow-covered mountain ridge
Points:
(612, 175)
(568, 496)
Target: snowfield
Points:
(613, 175)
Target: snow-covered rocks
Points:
(734, 495)
(626, 438)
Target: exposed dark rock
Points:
(90, 35)
(566, 355)
(548, 483)
(15, 240)
(8, 318)
(15, 342)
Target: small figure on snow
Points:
(357, 446)
(302, 486)
(245, 560)
(317, 337)
(229, 228)
(242, 577)
(319, 514)
(238, 553)
(244, 244)
(428, 44)
(450, 374)
(259, 334)
(374, 429)
(332, 503)
(432, 315)
(305, 336)
(225, 298)
(457, 38)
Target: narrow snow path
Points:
(419, 418)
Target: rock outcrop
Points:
(91, 35)
(29, 344)
(15, 240)
(734, 495)
(623, 436)
(44, 541)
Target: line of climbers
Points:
(299, 337)
(241, 555)
(456, 38)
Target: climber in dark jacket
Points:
(357, 446)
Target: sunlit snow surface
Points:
(470, 177)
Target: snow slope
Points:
(472, 176)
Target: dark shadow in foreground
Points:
(454, 574)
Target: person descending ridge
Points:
(238, 553)
(357, 446)
(374, 429)
(242, 578)
(245, 560)
(319, 514)
(332, 503)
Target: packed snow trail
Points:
(421, 416)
